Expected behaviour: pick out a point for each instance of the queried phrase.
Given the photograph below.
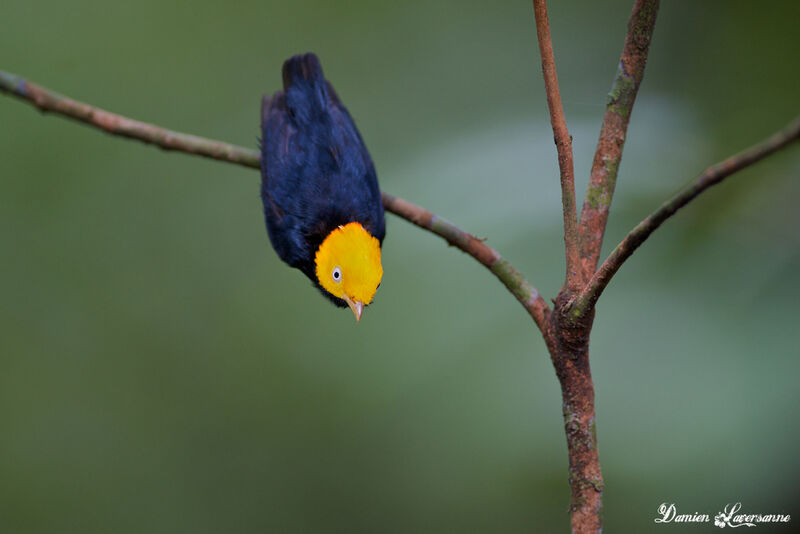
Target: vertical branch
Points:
(563, 145)
(585, 476)
(568, 340)
(568, 344)
(612, 134)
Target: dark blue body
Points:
(316, 172)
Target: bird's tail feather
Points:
(303, 67)
(305, 85)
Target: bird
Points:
(322, 202)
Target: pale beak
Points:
(356, 305)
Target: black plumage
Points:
(316, 171)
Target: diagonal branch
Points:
(49, 101)
(711, 176)
(612, 134)
(525, 293)
(563, 145)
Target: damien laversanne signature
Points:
(728, 517)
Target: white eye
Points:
(337, 274)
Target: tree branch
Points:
(49, 101)
(711, 176)
(563, 145)
(568, 344)
(525, 293)
(603, 177)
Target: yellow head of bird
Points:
(349, 266)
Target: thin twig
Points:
(525, 293)
(563, 145)
(613, 132)
(49, 101)
(711, 176)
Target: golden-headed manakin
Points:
(321, 198)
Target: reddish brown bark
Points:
(563, 144)
(607, 157)
(568, 343)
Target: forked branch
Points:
(711, 176)
(50, 101)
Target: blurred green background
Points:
(162, 371)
